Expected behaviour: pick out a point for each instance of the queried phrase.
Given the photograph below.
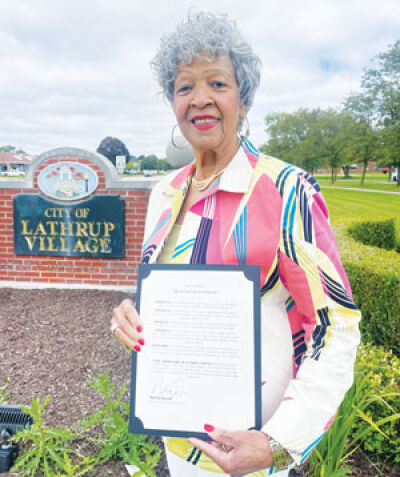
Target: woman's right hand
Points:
(128, 328)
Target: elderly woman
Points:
(233, 205)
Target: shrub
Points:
(374, 275)
(377, 293)
(377, 232)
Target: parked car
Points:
(385, 170)
(149, 172)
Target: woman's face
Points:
(207, 104)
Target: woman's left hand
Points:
(237, 452)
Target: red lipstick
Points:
(204, 122)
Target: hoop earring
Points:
(244, 132)
(173, 139)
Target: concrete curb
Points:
(66, 286)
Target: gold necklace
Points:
(205, 183)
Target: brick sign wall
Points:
(48, 268)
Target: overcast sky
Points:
(75, 71)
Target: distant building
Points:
(354, 168)
(12, 161)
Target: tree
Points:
(111, 147)
(294, 138)
(131, 165)
(12, 149)
(164, 165)
(381, 93)
(332, 128)
(363, 144)
(309, 139)
(149, 163)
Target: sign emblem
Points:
(67, 181)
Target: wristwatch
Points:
(281, 458)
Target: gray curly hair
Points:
(205, 35)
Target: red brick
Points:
(25, 273)
(48, 274)
(55, 280)
(65, 274)
(82, 261)
(82, 275)
(99, 276)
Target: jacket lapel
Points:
(236, 178)
(175, 194)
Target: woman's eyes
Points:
(219, 84)
(185, 88)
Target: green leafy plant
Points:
(377, 232)
(50, 449)
(48, 445)
(116, 441)
(72, 469)
(4, 395)
(329, 457)
(383, 370)
(365, 412)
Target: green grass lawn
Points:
(370, 176)
(370, 185)
(357, 204)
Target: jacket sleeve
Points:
(323, 314)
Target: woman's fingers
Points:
(128, 310)
(128, 341)
(241, 452)
(126, 317)
(224, 447)
(127, 325)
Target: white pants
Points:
(181, 468)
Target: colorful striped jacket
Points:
(267, 212)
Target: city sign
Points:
(91, 228)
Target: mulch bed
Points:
(52, 342)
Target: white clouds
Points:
(75, 71)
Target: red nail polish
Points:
(139, 328)
(209, 427)
(141, 341)
(136, 348)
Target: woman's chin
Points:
(210, 144)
